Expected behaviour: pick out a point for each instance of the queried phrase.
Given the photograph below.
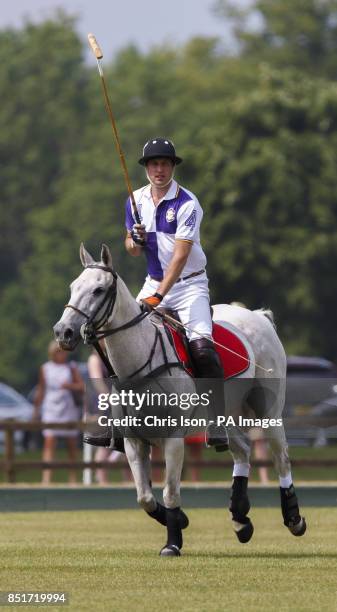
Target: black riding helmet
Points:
(159, 147)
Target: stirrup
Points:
(97, 440)
(216, 436)
(105, 442)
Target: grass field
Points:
(108, 561)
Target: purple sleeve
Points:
(189, 219)
(129, 220)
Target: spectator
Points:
(97, 372)
(260, 449)
(54, 403)
(195, 443)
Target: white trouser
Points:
(190, 298)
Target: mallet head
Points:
(95, 46)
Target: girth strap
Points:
(164, 367)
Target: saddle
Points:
(233, 350)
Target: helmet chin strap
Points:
(161, 186)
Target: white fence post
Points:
(88, 455)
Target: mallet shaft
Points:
(98, 54)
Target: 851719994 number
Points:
(33, 598)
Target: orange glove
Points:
(152, 301)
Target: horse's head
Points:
(92, 299)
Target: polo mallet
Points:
(98, 54)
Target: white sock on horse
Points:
(241, 469)
(286, 481)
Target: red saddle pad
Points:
(233, 353)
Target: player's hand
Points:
(138, 234)
(151, 302)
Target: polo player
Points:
(169, 237)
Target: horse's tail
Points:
(265, 312)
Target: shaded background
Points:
(250, 99)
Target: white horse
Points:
(101, 301)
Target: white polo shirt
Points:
(177, 217)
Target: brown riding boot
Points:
(208, 365)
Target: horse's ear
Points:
(86, 258)
(106, 257)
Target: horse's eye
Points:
(98, 291)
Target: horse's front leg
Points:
(138, 456)
(176, 519)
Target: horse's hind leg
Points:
(176, 519)
(239, 446)
(289, 503)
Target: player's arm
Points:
(182, 249)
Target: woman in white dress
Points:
(54, 403)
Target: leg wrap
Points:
(289, 505)
(174, 535)
(159, 514)
(240, 506)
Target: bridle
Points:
(92, 331)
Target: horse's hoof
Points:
(244, 532)
(170, 550)
(183, 520)
(299, 529)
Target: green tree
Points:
(301, 33)
(42, 79)
(270, 222)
